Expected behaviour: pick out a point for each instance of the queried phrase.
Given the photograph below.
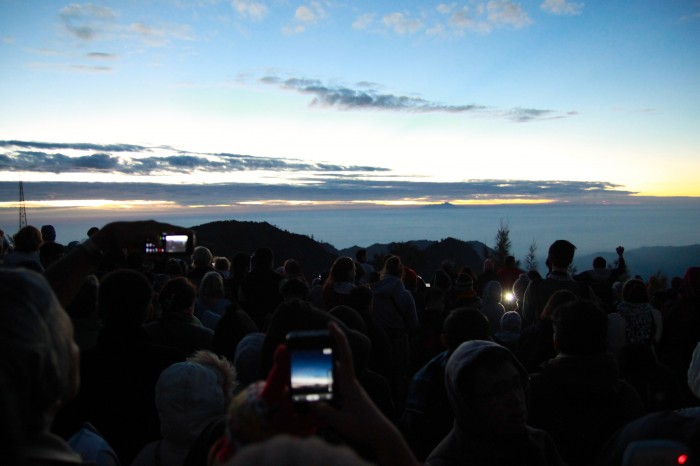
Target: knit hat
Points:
(263, 410)
(511, 322)
(463, 282)
(694, 372)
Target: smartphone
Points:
(312, 366)
(169, 243)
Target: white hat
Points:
(189, 395)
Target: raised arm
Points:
(67, 274)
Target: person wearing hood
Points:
(394, 310)
(492, 307)
(487, 389)
(579, 397)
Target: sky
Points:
(132, 104)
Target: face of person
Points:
(498, 399)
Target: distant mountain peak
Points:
(444, 205)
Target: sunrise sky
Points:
(349, 101)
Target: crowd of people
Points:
(115, 357)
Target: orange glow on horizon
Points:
(394, 203)
(106, 204)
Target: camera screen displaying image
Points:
(312, 374)
(175, 243)
(168, 244)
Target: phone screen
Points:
(311, 373)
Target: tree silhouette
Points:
(531, 258)
(502, 248)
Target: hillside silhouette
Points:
(226, 238)
(229, 237)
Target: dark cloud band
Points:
(366, 96)
(48, 157)
(327, 189)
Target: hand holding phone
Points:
(355, 415)
(312, 366)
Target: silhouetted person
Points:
(83, 313)
(427, 416)
(559, 258)
(682, 326)
(394, 310)
(202, 259)
(491, 305)
(27, 242)
(240, 266)
(579, 397)
(339, 284)
(463, 292)
(176, 325)
(211, 303)
(50, 251)
(676, 425)
(486, 387)
(361, 299)
(367, 268)
(118, 375)
(223, 266)
(536, 343)
(601, 279)
(260, 290)
(508, 274)
(38, 370)
(509, 334)
(488, 273)
(634, 321)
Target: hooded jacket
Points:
(393, 305)
(468, 443)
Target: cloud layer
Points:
(27, 156)
(367, 96)
(314, 181)
(327, 189)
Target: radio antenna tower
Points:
(22, 209)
